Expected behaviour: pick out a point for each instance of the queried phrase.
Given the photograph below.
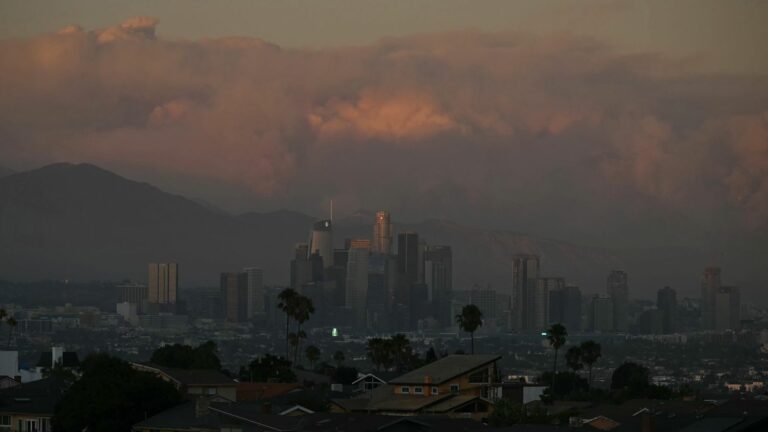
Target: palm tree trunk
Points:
(298, 342)
(10, 331)
(287, 330)
(554, 375)
(554, 365)
(472, 342)
(589, 381)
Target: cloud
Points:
(502, 128)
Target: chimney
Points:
(647, 422)
(17, 378)
(57, 355)
(202, 406)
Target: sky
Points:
(596, 122)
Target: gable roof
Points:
(247, 391)
(36, 397)
(446, 368)
(189, 377)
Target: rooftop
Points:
(446, 368)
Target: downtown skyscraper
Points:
(617, 288)
(710, 286)
(162, 283)
(525, 273)
(382, 233)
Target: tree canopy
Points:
(112, 396)
(186, 357)
(268, 368)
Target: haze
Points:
(605, 123)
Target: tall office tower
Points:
(301, 267)
(650, 321)
(438, 277)
(710, 285)
(537, 299)
(408, 255)
(134, 292)
(525, 272)
(357, 282)
(234, 291)
(485, 300)
(321, 241)
(407, 269)
(565, 307)
(618, 290)
(572, 308)
(382, 233)
(601, 314)
(727, 309)
(163, 283)
(255, 291)
(666, 303)
(338, 274)
(377, 302)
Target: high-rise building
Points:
(134, 292)
(710, 285)
(408, 256)
(727, 309)
(525, 272)
(565, 307)
(301, 267)
(601, 314)
(380, 287)
(617, 289)
(357, 282)
(650, 321)
(666, 303)
(234, 291)
(438, 277)
(485, 300)
(321, 242)
(163, 283)
(382, 233)
(255, 291)
(537, 298)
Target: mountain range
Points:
(81, 222)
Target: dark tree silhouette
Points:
(469, 320)
(112, 396)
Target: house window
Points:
(405, 390)
(454, 388)
(5, 421)
(212, 391)
(418, 390)
(434, 390)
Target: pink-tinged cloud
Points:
(498, 128)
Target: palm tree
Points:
(469, 320)
(304, 308)
(338, 357)
(313, 355)
(11, 325)
(591, 351)
(379, 352)
(573, 358)
(556, 335)
(287, 304)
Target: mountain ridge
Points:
(81, 222)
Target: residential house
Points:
(29, 407)
(456, 385)
(194, 382)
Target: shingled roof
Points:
(446, 368)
